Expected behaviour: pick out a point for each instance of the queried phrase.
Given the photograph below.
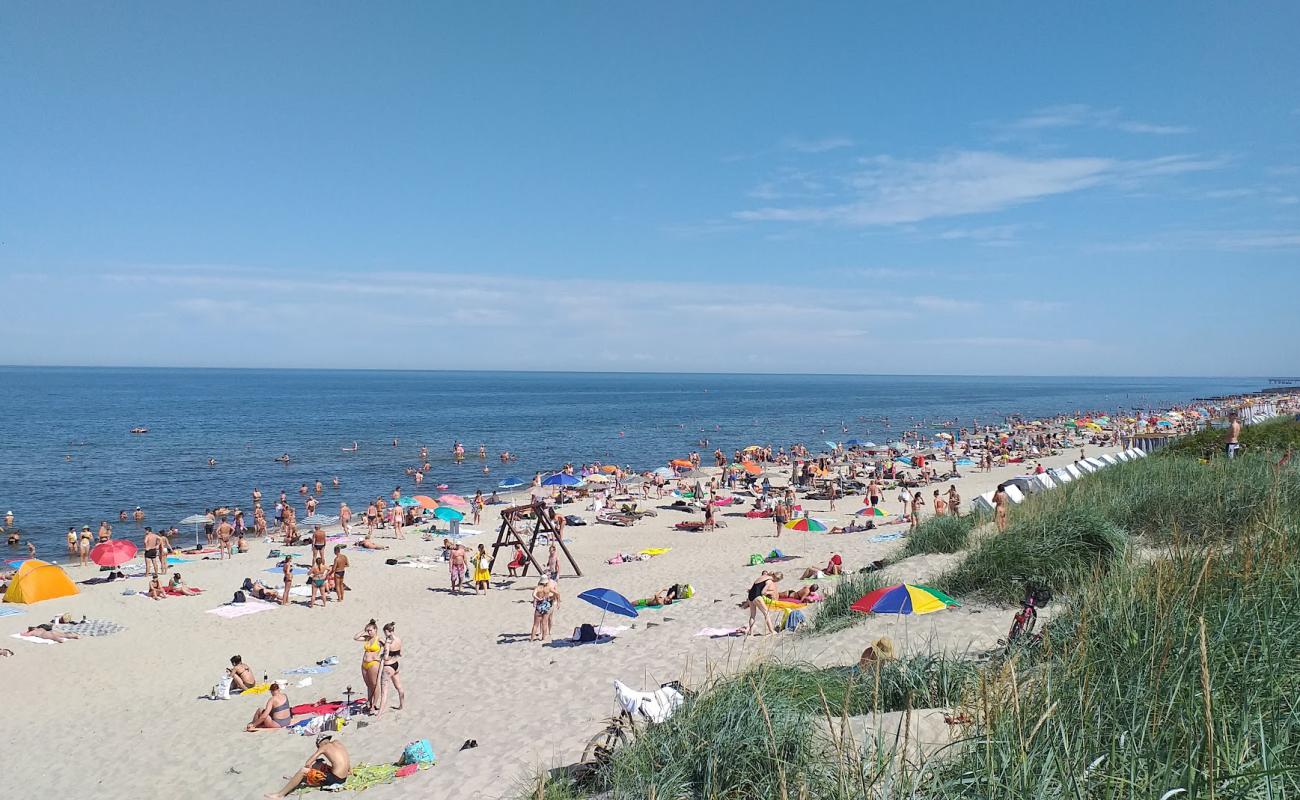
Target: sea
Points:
(67, 456)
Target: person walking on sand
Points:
(338, 570)
(456, 565)
(345, 517)
(546, 597)
(780, 515)
(918, 504)
(874, 491)
(1001, 505)
(328, 766)
(482, 574)
(764, 586)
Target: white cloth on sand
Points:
(656, 706)
(32, 639)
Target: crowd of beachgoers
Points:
(693, 522)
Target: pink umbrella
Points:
(112, 553)
(453, 500)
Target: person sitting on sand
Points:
(764, 586)
(274, 715)
(833, 567)
(878, 651)
(177, 586)
(155, 589)
(241, 676)
(46, 631)
(328, 766)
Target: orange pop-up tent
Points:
(37, 581)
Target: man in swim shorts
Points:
(329, 765)
(152, 553)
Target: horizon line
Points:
(623, 372)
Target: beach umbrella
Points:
(751, 448)
(426, 502)
(597, 479)
(831, 445)
(452, 500)
(608, 600)
(870, 511)
(905, 598)
(807, 524)
(609, 469)
(852, 443)
(1069, 423)
(510, 483)
(448, 514)
(680, 463)
(560, 479)
(752, 468)
(406, 501)
(663, 471)
(196, 520)
(112, 553)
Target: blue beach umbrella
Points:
(832, 445)
(510, 483)
(608, 600)
(448, 514)
(406, 501)
(561, 479)
(852, 443)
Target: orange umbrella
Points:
(752, 468)
(609, 469)
(680, 462)
(426, 502)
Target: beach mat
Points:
(10, 611)
(240, 609)
(31, 639)
(91, 627)
(719, 633)
(886, 537)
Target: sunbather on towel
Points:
(833, 567)
(329, 765)
(665, 597)
(273, 716)
(370, 544)
(46, 631)
(804, 594)
(177, 586)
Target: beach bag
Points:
(418, 752)
(688, 591)
(239, 597)
(222, 690)
(775, 554)
(755, 560)
(586, 633)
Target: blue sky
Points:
(948, 188)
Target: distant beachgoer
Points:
(370, 544)
(287, 568)
(764, 586)
(241, 676)
(155, 591)
(338, 570)
(392, 652)
(273, 716)
(482, 574)
(954, 501)
(328, 766)
(1001, 504)
(138, 514)
(940, 505)
(1234, 436)
(72, 539)
(456, 565)
(546, 596)
(371, 660)
(316, 579)
(152, 552)
(177, 585)
(46, 631)
(83, 545)
(878, 651)
(224, 531)
(918, 503)
(553, 562)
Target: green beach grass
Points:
(1166, 677)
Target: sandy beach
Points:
(468, 667)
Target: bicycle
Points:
(620, 730)
(1024, 623)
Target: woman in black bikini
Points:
(764, 586)
(393, 653)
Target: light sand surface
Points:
(123, 716)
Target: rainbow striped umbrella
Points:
(905, 598)
(871, 511)
(807, 524)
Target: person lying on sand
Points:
(329, 765)
(5, 652)
(805, 594)
(241, 676)
(274, 715)
(260, 591)
(46, 631)
(370, 544)
(665, 597)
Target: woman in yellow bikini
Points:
(372, 660)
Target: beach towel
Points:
(314, 669)
(241, 609)
(654, 551)
(280, 570)
(170, 592)
(9, 611)
(300, 591)
(32, 639)
(885, 537)
(179, 560)
(321, 708)
(786, 605)
(91, 627)
(364, 776)
(718, 633)
(261, 688)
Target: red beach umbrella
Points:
(112, 553)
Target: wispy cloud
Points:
(822, 145)
(1080, 115)
(990, 235)
(950, 305)
(884, 190)
(1223, 240)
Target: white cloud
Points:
(1039, 306)
(1080, 115)
(944, 304)
(1223, 240)
(823, 145)
(991, 235)
(890, 191)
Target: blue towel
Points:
(10, 611)
(279, 570)
(178, 560)
(886, 537)
(315, 669)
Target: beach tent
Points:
(1137, 452)
(1045, 480)
(37, 581)
(1073, 471)
(1013, 491)
(1062, 476)
(1097, 462)
(1025, 484)
(1123, 455)
(1086, 466)
(1110, 459)
(984, 502)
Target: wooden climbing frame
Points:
(509, 535)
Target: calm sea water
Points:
(67, 457)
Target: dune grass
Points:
(1172, 678)
(941, 535)
(1275, 435)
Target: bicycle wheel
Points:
(601, 746)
